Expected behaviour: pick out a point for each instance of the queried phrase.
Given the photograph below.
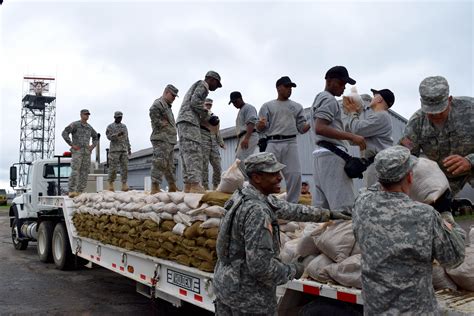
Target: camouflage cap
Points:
(85, 111)
(393, 163)
(208, 101)
(215, 75)
(434, 93)
(172, 89)
(118, 114)
(262, 162)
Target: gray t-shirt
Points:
(376, 128)
(247, 114)
(325, 107)
(285, 118)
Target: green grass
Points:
(4, 207)
(464, 218)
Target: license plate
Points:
(184, 281)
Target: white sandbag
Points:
(289, 227)
(163, 197)
(215, 211)
(178, 229)
(356, 249)
(337, 241)
(347, 272)
(125, 214)
(198, 211)
(211, 222)
(182, 218)
(441, 279)
(288, 252)
(463, 275)
(147, 208)
(158, 207)
(284, 239)
(193, 199)
(176, 197)
(315, 268)
(231, 179)
(155, 217)
(151, 199)
(170, 208)
(307, 244)
(429, 181)
(199, 217)
(165, 216)
(183, 207)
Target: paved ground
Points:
(28, 286)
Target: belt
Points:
(205, 128)
(279, 137)
(244, 132)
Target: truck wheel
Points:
(45, 236)
(61, 249)
(18, 243)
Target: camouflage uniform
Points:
(248, 269)
(81, 159)
(211, 140)
(118, 150)
(455, 137)
(163, 138)
(192, 111)
(399, 238)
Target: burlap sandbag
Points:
(201, 241)
(192, 231)
(168, 246)
(463, 275)
(429, 181)
(315, 268)
(153, 244)
(337, 241)
(207, 266)
(165, 236)
(203, 254)
(347, 272)
(211, 244)
(195, 262)
(307, 243)
(441, 279)
(212, 232)
(167, 225)
(188, 242)
(215, 198)
(183, 259)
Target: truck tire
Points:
(45, 237)
(61, 249)
(17, 243)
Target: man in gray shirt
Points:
(333, 188)
(244, 127)
(376, 127)
(281, 120)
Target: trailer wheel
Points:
(17, 243)
(45, 237)
(61, 249)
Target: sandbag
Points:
(163, 197)
(215, 198)
(429, 181)
(211, 222)
(176, 197)
(337, 241)
(307, 245)
(315, 268)
(289, 227)
(178, 229)
(231, 179)
(441, 279)
(288, 252)
(347, 272)
(463, 275)
(215, 211)
(171, 208)
(192, 200)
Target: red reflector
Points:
(198, 298)
(98, 258)
(142, 276)
(122, 269)
(310, 289)
(92, 257)
(183, 292)
(67, 154)
(114, 265)
(153, 281)
(130, 269)
(346, 297)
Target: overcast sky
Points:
(110, 56)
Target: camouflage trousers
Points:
(225, 310)
(80, 167)
(210, 154)
(191, 157)
(163, 162)
(118, 159)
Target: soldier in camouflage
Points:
(163, 138)
(191, 113)
(119, 150)
(443, 130)
(211, 140)
(248, 268)
(399, 238)
(81, 150)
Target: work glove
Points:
(299, 267)
(344, 213)
(214, 120)
(444, 202)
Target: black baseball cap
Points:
(286, 81)
(234, 96)
(339, 72)
(386, 94)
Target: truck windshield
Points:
(51, 171)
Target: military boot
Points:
(186, 188)
(110, 186)
(155, 187)
(124, 187)
(196, 188)
(172, 187)
(73, 194)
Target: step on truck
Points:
(42, 213)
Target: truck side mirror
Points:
(13, 173)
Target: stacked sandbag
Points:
(174, 226)
(463, 275)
